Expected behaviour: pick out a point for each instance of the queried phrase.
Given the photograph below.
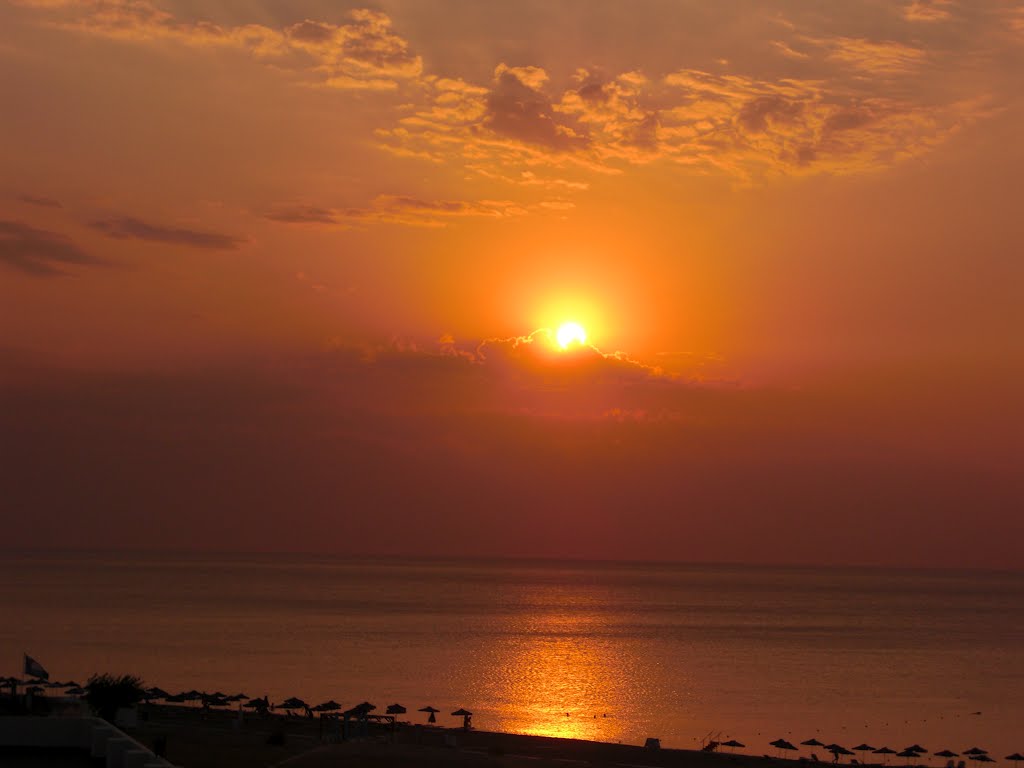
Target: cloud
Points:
(39, 252)
(522, 130)
(876, 58)
(517, 108)
(851, 104)
(128, 228)
(504, 456)
(42, 202)
(409, 210)
(787, 50)
(302, 214)
(751, 127)
(362, 54)
(928, 10)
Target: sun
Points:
(570, 333)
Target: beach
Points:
(199, 739)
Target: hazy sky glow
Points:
(286, 276)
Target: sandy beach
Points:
(210, 739)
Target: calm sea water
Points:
(614, 652)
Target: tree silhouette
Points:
(107, 693)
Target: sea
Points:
(614, 652)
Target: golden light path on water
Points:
(565, 672)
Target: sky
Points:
(287, 277)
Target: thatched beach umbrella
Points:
(946, 753)
(837, 750)
(1016, 757)
(812, 743)
(973, 751)
(983, 759)
(156, 693)
(293, 702)
(465, 714)
(327, 706)
(863, 748)
(433, 712)
(908, 753)
(885, 752)
(395, 709)
(733, 744)
(781, 744)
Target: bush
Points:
(107, 693)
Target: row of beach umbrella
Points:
(290, 704)
(219, 699)
(38, 685)
(912, 752)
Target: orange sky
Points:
(272, 268)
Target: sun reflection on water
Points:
(562, 674)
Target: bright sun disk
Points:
(569, 333)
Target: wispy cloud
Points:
(41, 202)
(40, 252)
(363, 54)
(409, 210)
(128, 228)
(928, 10)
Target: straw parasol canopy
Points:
(975, 751)
(461, 713)
(908, 753)
(983, 759)
(918, 748)
(781, 744)
(863, 748)
(293, 703)
(327, 706)
(1016, 757)
(885, 752)
(947, 753)
(812, 743)
(395, 709)
(153, 693)
(837, 750)
(257, 703)
(733, 744)
(433, 713)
